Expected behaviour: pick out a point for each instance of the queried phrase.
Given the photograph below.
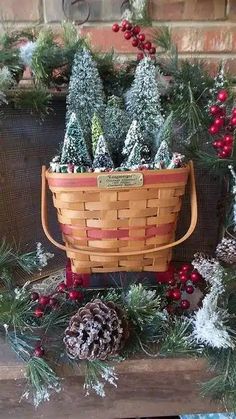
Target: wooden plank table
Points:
(146, 388)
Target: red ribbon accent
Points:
(99, 234)
(91, 181)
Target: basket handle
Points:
(193, 199)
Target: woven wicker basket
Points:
(124, 221)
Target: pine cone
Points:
(96, 331)
(226, 251)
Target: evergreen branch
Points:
(141, 305)
(223, 386)
(36, 101)
(98, 372)
(162, 38)
(11, 258)
(42, 381)
(15, 309)
(177, 340)
(69, 34)
(213, 163)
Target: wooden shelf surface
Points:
(146, 388)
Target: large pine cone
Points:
(96, 331)
(226, 250)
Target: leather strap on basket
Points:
(193, 200)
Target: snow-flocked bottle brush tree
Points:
(85, 96)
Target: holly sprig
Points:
(137, 37)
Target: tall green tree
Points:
(86, 95)
(143, 100)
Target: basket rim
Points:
(50, 174)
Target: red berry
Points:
(140, 56)
(39, 352)
(222, 154)
(220, 143)
(227, 149)
(34, 296)
(123, 23)
(228, 139)
(152, 50)
(44, 300)
(233, 121)
(219, 122)
(195, 276)
(222, 95)
(183, 277)
(128, 35)
(213, 129)
(186, 267)
(171, 282)
(53, 302)
(135, 42)
(148, 45)
(115, 27)
(189, 289)
(215, 144)
(214, 110)
(128, 26)
(61, 287)
(234, 112)
(184, 304)
(141, 46)
(169, 294)
(74, 295)
(176, 294)
(38, 312)
(141, 37)
(136, 30)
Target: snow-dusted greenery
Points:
(133, 146)
(86, 95)
(97, 130)
(163, 156)
(102, 158)
(143, 100)
(210, 321)
(6, 79)
(26, 52)
(74, 147)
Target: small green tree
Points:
(74, 148)
(134, 136)
(96, 130)
(135, 149)
(162, 157)
(102, 158)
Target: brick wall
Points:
(206, 28)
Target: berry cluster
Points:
(138, 38)
(179, 283)
(46, 303)
(223, 125)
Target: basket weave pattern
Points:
(118, 220)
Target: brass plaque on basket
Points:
(120, 180)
